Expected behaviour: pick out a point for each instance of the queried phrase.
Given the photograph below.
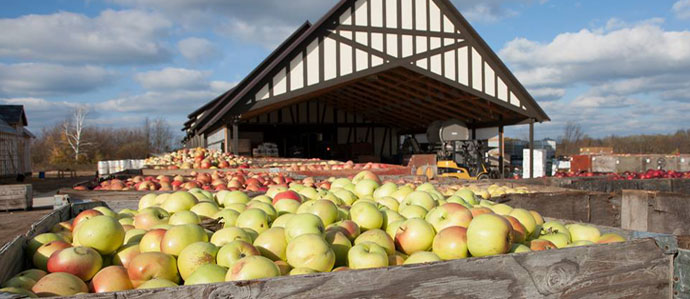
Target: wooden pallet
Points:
(16, 197)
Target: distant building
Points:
(15, 141)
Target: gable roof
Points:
(13, 115)
(350, 25)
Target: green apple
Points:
(184, 217)
(348, 227)
(559, 239)
(282, 220)
(106, 211)
(467, 195)
(179, 201)
(180, 236)
(340, 245)
(392, 228)
(194, 256)
(232, 252)
(390, 216)
(228, 217)
(419, 198)
(413, 211)
(252, 267)
(266, 207)
(238, 207)
(580, 232)
(550, 227)
(346, 196)
(287, 206)
(18, 291)
(255, 219)
(309, 193)
(229, 234)
(367, 255)
(385, 190)
(451, 243)
(149, 217)
(234, 197)
(426, 187)
(365, 187)
(414, 235)
(388, 202)
(447, 215)
(502, 209)
(526, 218)
(156, 283)
(205, 209)
(610, 238)
(301, 271)
(272, 243)
(366, 215)
(102, 233)
(519, 248)
(310, 251)
(59, 284)
(133, 236)
(275, 189)
(379, 237)
(148, 200)
(340, 183)
(301, 224)
(489, 234)
(34, 243)
(421, 257)
(263, 198)
(208, 273)
(401, 193)
(580, 243)
(324, 209)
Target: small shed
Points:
(15, 141)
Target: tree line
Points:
(575, 138)
(74, 144)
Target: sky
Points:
(614, 67)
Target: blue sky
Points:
(615, 67)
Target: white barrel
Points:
(112, 166)
(127, 165)
(139, 164)
(103, 168)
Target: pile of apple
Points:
(218, 180)
(357, 224)
(330, 166)
(198, 158)
(630, 175)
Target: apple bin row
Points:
(197, 238)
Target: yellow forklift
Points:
(456, 155)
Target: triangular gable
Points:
(362, 37)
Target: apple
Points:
(156, 283)
(229, 234)
(349, 228)
(18, 291)
(22, 282)
(233, 251)
(266, 207)
(83, 262)
(234, 197)
(180, 236)
(447, 215)
(301, 224)
(148, 200)
(561, 240)
(388, 202)
(365, 187)
(340, 269)
(59, 284)
(580, 243)
(385, 190)
(252, 267)
(476, 211)
(365, 175)
(367, 255)
(127, 223)
(413, 211)
(254, 219)
(134, 236)
(34, 243)
(102, 233)
(184, 217)
(228, 217)
(111, 279)
(420, 257)
(205, 209)
(340, 245)
(586, 232)
(274, 190)
(502, 209)
(366, 215)
(414, 235)
(287, 206)
(402, 192)
(390, 216)
(208, 273)
(537, 217)
(379, 237)
(345, 195)
(610, 238)
(283, 266)
(340, 183)
(106, 211)
(151, 265)
(309, 193)
(419, 198)
(526, 218)
(550, 227)
(324, 209)
(539, 244)
(150, 217)
(396, 259)
(519, 248)
(519, 230)
(272, 243)
(43, 253)
(179, 201)
(489, 234)
(194, 256)
(125, 254)
(83, 216)
(451, 243)
(392, 228)
(310, 251)
(467, 195)
(151, 241)
(282, 220)
(301, 271)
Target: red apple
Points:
(59, 284)
(83, 262)
(287, 195)
(111, 279)
(150, 265)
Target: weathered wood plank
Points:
(636, 269)
(634, 207)
(659, 212)
(15, 197)
(590, 207)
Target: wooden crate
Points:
(654, 211)
(16, 197)
(592, 271)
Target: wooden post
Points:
(634, 210)
(531, 148)
(501, 153)
(235, 138)
(226, 144)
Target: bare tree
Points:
(572, 136)
(73, 129)
(160, 135)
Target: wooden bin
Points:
(15, 197)
(639, 268)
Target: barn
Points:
(15, 141)
(366, 74)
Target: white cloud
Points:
(173, 79)
(117, 37)
(682, 9)
(198, 49)
(222, 86)
(547, 94)
(41, 112)
(596, 101)
(177, 102)
(40, 79)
